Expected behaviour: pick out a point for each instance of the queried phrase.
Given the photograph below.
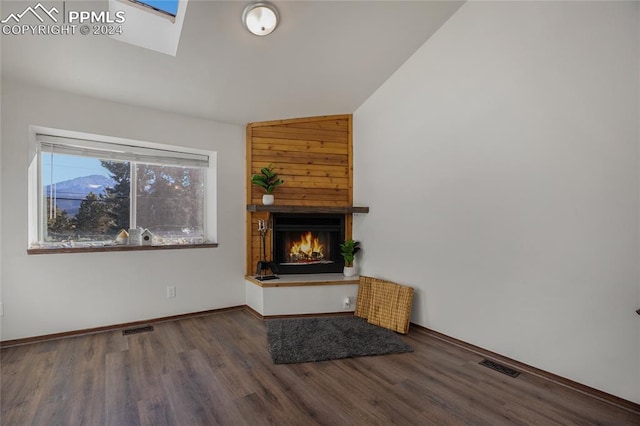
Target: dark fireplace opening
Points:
(308, 243)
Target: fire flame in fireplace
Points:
(308, 248)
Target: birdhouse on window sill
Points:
(146, 237)
(122, 238)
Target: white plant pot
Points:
(268, 199)
(349, 271)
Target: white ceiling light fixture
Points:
(260, 18)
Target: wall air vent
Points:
(137, 330)
(500, 368)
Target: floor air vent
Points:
(136, 330)
(500, 368)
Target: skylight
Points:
(151, 24)
(169, 7)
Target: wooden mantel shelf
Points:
(305, 209)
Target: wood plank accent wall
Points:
(313, 155)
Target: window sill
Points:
(56, 250)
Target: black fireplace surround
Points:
(308, 243)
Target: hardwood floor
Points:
(216, 369)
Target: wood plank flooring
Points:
(216, 370)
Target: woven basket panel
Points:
(363, 302)
(390, 305)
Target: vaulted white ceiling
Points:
(326, 57)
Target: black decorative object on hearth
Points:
(263, 264)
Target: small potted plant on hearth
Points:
(267, 179)
(349, 249)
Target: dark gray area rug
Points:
(319, 339)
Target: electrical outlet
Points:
(346, 303)
(171, 291)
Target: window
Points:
(88, 190)
(170, 7)
(154, 25)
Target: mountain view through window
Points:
(89, 199)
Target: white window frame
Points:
(36, 206)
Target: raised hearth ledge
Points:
(301, 294)
(303, 280)
(306, 209)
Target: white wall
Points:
(638, 165)
(52, 293)
(0, 194)
(501, 167)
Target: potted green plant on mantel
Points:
(267, 179)
(349, 249)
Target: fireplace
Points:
(307, 243)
